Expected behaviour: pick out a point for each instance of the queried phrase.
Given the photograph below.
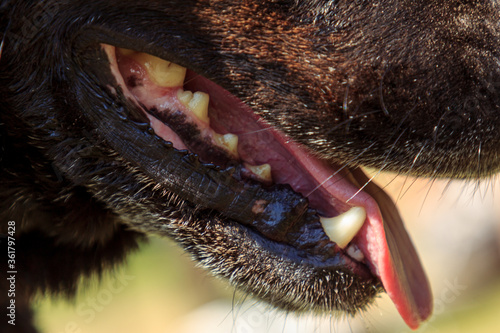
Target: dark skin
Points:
(405, 87)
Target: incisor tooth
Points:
(354, 252)
(228, 141)
(262, 171)
(163, 73)
(342, 229)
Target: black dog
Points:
(102, 143)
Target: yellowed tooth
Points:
(199, 105)
(262, 171)
(228, 141)
(126, 52)
(163, 73)
(342, 229)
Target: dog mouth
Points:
(312, 206)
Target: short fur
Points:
(405, 86)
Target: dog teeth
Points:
(263, 171)
(354, 252)
(163, 73)
(197, 103)
(126, 52)
(228, 141)
(342, 229)
(185, 96)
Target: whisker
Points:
(366, 184)
(336, 172)
(491, 184)
(256, 131)
(192, 78)
(432, 181)
(446, 189)
(284, 321)
(1, 47)
(390, 181)
(381, 168)
(484, 194)
(401, 193)
(381, 94)
(237, 312)
(2, 43)
(346, 97)
(348, 121)
(436, 128)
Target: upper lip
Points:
(294, 209)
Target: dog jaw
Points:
(367, 84)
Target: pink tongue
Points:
(392, 257)
(386, 245)
(383, 239)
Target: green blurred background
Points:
(455, 229)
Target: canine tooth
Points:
(342, 229)
(163, 73)
(262, 171)
(228, 141)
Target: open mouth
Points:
(344, 215)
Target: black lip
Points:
(300, 242)
(285, 218)
(284, 269)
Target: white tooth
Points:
(163, 73)
(126, 52)
(342, 229)
(262, 171)
(228, 141)
(354, 252)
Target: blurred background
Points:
(455, 228)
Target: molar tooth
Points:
(199, 105)
(163, 73)
(342, 229)
(228, 141)
(262, 171)
(185, 96)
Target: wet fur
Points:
(405, 86)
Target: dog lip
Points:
(376, 239)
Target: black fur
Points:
(404, 86)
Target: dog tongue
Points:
(383, 239)
(386, 245)
(387, 248)
(391, 255)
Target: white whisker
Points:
(336, 172)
